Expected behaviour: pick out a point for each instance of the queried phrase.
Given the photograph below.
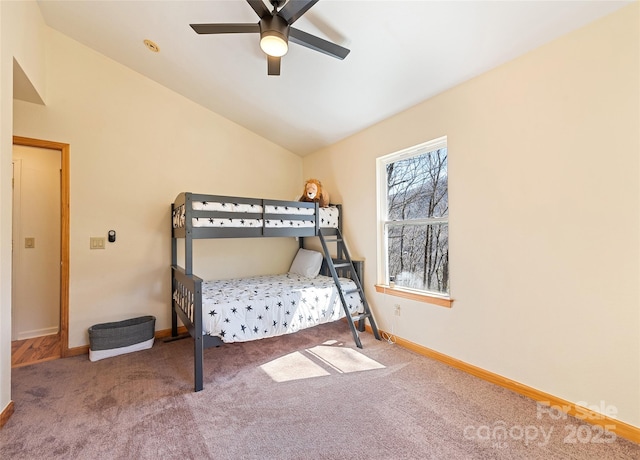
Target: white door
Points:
(36, 242)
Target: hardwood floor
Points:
(35, 350)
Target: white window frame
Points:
(383, 223)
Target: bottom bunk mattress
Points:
(239, 310)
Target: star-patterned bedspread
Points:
(239, 310)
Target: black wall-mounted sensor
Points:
(112, 236)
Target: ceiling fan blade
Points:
(225, 28)
(259, 7)
(318, 44)
(293, 9)
(273, 65)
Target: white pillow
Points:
(306, 263)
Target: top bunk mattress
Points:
(230, 214)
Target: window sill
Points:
(414, 295)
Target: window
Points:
(413, 207)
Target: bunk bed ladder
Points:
(332, 235)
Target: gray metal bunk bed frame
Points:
(186, 288)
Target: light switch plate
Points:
(96, 242)
(29, 242)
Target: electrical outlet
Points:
(396, 309)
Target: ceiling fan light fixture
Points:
(274, 36)
(274, 43)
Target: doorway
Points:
(33, 341)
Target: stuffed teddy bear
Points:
(313, 191)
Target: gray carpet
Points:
(309, 395)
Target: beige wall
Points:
(544, 210)
(134, 145)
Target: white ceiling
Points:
(402, 52)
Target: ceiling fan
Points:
(276, 31)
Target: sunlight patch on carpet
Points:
(293, 366)
(318, 361)
(344, 360)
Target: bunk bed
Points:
(225, 311)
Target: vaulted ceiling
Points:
(402, 53)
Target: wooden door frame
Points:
(64, 231)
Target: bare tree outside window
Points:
(417, 226)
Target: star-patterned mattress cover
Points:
(239, 310)
(328, 216)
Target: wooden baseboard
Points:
(167, 332)
(77, 351)
(6, 413)
(622, 429)
(84, 349)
